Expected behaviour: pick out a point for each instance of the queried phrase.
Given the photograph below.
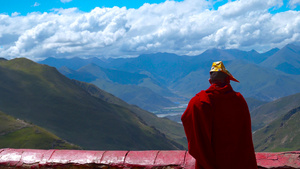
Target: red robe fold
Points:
(218, 128)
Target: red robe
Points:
(218, 128)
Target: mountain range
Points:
(269, 81)
(79, 113)
(132, 87)
(286, 60)
(153, 81)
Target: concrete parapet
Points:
(32, 158)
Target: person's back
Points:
(231, 131)
(218, 127)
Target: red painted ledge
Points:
(31, 158)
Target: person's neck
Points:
(220, 85)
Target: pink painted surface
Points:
(166, 158)
(189, 161)
(30, 158)
(140, 158)
(114, 158)
(75, 157)
(33, 157)
(10, 157)
(273, 160)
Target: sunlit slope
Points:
(269, 112)
(41, 95)
(15, 133)
(283, 134)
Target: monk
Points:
(218, 126)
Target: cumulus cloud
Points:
(15, 14)
(294, 3)
(65, 1)
(36, 4)
(186, 28)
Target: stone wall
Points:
(31, 158)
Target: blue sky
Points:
(38, 29)
(26, 6)
(23, 7)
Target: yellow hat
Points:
(219, 67)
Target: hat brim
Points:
(230, 75)
(233, 79)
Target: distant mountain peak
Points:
(271, 52)
(286, 60)
(3, 59)
(293, 48)
(65, 70)
(253, 51)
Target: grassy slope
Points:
(41, 95)
(15, 133)
(268, 112)
(171, 129)
(283, 134)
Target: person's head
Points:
(219, 78)
(220, 75)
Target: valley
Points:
(166, 78)
(79, 113)
(141, 99)
(157, 82)
(171, 111)
(269, 81)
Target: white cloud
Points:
(65, 1)
(15, 14)
(293, 3)
(186, 27)
(244, 7)
(36, 4)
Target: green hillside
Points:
(41, 95)
(268, 112)
(171, 129)
(283, 134)
(15, 133)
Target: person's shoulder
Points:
(202, 96)
(238, 94)
(240, 97)
(201, 93)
